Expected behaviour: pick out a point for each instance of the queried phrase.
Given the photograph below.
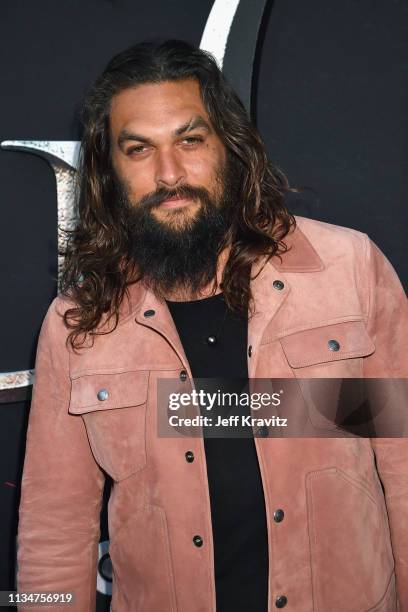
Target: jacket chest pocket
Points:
(113, 408)
(328, 351)
(328, 363)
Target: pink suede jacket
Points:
(342, 545)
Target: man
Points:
(186, 265)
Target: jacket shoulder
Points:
(53, 326)
(319, 231)
(335, 244)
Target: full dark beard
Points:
(181, 256)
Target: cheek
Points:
(204, 169)
(199, 171)
(139, 180)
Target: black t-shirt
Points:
(236, 494)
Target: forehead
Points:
(156, 107)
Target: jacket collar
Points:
(300, 257)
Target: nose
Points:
(169, 170)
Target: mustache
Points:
(155, 198)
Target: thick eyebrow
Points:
(192, 124)
(195, 122)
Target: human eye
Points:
(136, 149)
(192, 140)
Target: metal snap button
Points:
(198, 540)
(263, 431)
(281, 601)
(189, 456)
(278, 284)
(278, 515)
(333, 345)
(183, 375)
(149, 313)
(102, 395)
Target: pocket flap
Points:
(103, 391)
(327, 343)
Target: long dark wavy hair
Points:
(98, 267)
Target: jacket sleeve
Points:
(61, 488)
(388, 326)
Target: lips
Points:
(174, 197)
(175, 202)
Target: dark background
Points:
(329, 98)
